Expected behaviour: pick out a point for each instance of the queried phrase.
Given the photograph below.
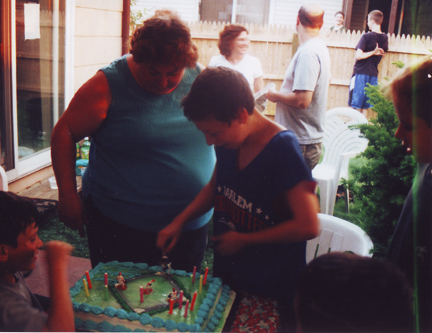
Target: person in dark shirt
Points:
(370, 50)
(411, 245)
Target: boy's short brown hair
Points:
(377, 16)
(341, 292)
(340, 12)
(218, 93)
(16, 214)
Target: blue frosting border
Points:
(207, 304)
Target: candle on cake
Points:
(186, 308)
(106, 292)
(181, 299)
(88, 279)
(193, 301)
(106, 278)
(194, 273)
(205, 275)
(141, 294)
(171, 306)
(85, 288)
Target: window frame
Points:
(40, 160)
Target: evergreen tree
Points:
(381, 185)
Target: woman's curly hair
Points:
(227, 36)
(164, 39)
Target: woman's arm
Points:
(203, 202)
(84, 115)
(301, 201)
(258, 84)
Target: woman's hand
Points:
(168, 237)
(71, 213)
(230, 242)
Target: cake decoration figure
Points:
(121, 282)
(148, 289)
(166, 265)
(173, 296)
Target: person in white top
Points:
(233, 45)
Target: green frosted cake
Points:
(155, 300)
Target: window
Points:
(235, 11)
(33, 81)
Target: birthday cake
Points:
(122, 297)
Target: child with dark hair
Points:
(19, 246)
(411, 245)
(341, 292)
(262, 191)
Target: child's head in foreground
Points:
(19, 241)
(412, 97)
(341, 292)
(219, 103)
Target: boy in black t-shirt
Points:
(370, 50)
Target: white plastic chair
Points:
(338, 235)
(340, 144)
(3, 180)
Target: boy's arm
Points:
(304, 225)
(60, 315)
(363, 55)
(203, 202)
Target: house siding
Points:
(187, 9)
(285, 12)
(97, 36)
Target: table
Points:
(252, 313)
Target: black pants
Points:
(109, 240)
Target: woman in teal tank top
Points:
(147, 161)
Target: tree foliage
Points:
(136, 15)
(381, 185)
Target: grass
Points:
(51, 228)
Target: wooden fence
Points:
(274, 47)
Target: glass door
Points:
(40, 40)
(6, 142)
(32, 81)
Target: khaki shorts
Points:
(311, 154)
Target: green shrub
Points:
(381, 184)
